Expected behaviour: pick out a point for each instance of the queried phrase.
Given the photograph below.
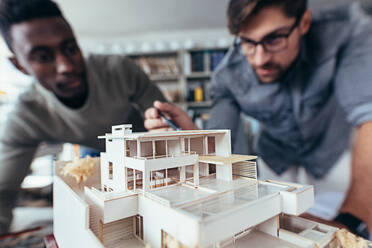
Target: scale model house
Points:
(180, 189)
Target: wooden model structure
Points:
(182, 189)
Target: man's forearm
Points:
(14, 165)
(7, 202)
(359, 198)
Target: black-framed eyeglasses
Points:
(272, 43)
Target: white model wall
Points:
(157, 217)
(71, 219)
(167, 163)
(298, 201)
(120, 208)
(105, 181)
(216, 230)
(119, 169)
(95, 210)
(223, 144)
(115, 153)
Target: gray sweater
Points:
(119, 92)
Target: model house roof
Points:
(234, 158)
(163, 134)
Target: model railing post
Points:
(166, 148)
(224, 172)
(196, 174)
(205, 145)
(153, 149)
(138, 148)
(134, 180)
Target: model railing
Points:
(182, 154)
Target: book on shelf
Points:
(190, 92)
(216, 58)
(157, 66)
(197, 61)
(203, 61)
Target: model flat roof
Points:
(235, 158)
(214, 198)
(163, 134)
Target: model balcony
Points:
(182, 154)
(161, 162)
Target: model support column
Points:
(204, 169)
(205, 145)
(166, 148)
(166, 177)
(224, 172)
(270, 226)
(183, 174)
(182, 145)
(223, 144)
(134, 180)
(196, 174)
(138, 149)
(146, 180)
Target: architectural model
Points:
(180, 189)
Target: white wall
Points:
(125, 26)
(117, 18)
(128, 17)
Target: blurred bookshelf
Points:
(184, 76)
(164, 69)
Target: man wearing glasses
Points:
(307, 80)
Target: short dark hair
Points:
(17, 11)
(239, 11)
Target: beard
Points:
(269, 72)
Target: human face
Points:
(46, 48)
(270, 64)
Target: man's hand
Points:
(153, 121)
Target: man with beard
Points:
(307, 80)
(72, 99)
